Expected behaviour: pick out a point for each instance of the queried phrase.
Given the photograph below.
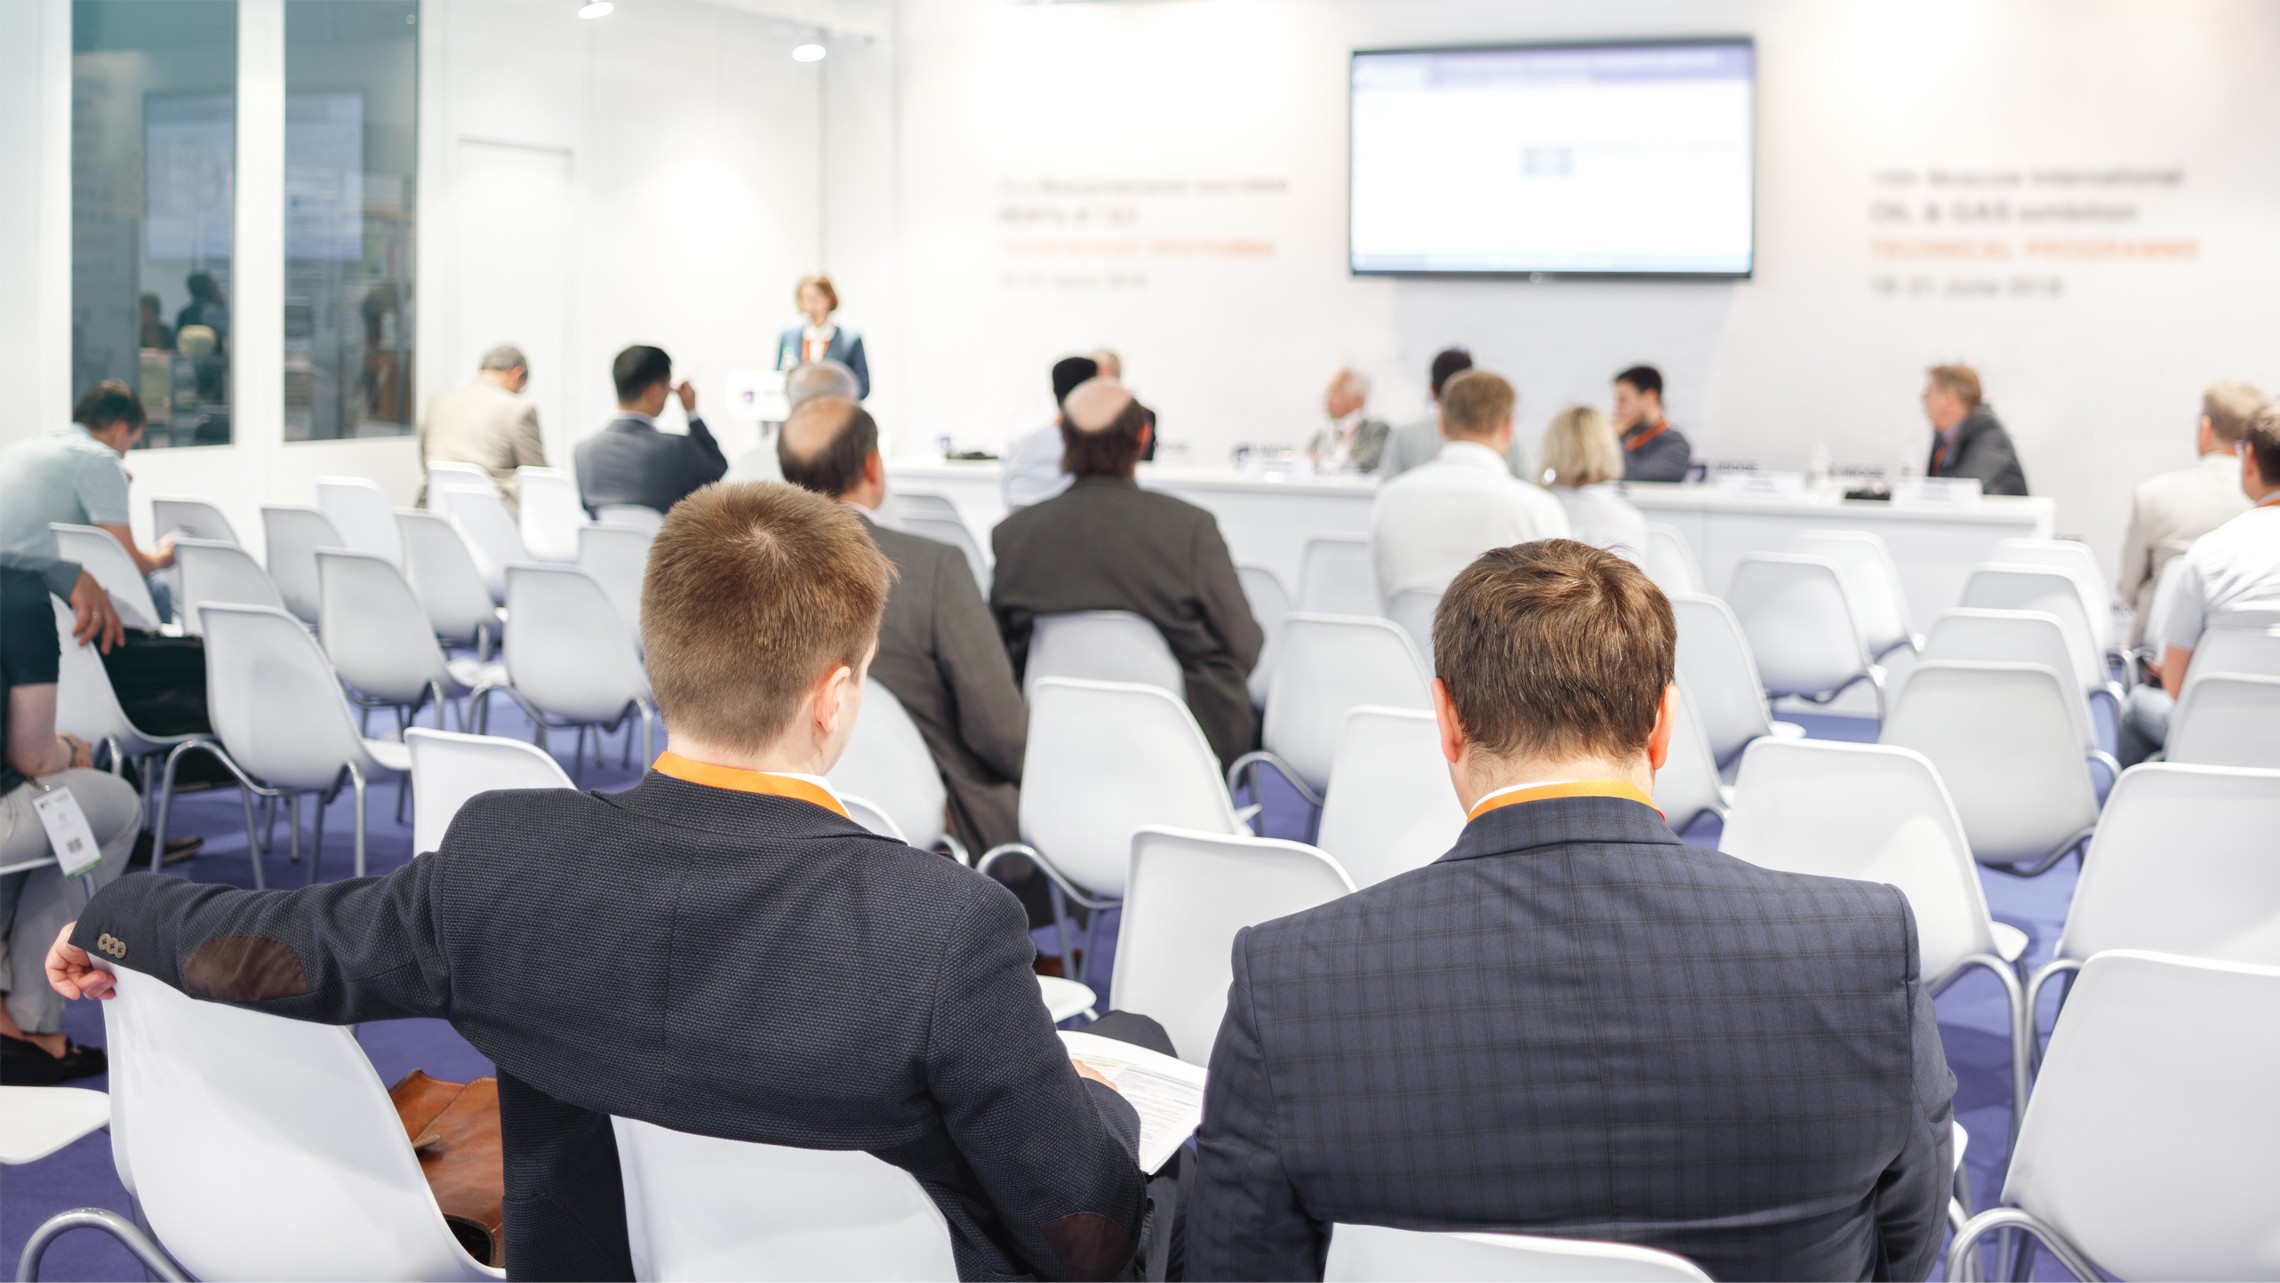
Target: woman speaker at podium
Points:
(819, 339)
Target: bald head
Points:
(830, 445)
(822, 378)
(1103, 430)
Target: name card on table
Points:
(1936, 492)
(1763, 485)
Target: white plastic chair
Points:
(1327, 666)
(1715, 664)
(196, 518)
(2239, 652)
(481, 518)
(360, 512)
(1688, 785)
(448, 769)
(618, 558)
(632, 516)
(1412, 609)
(442, 477)
(1101, 646)
(903, 505)
(1377, 1254)
(379, 640)
(952, 531)
(1670, 561)
(2227, 720)
(1106, 759)
(100, 555)
(216, 572)
(703, 1208)
(2007, 741)
(887, 761)
(551, 513)
(2080, 565)
(87, 705)
(562, 669)
(1995, 586)
(874, 817)
(1393, 808)
(2014, 636)
(1800, 622)
(443, 575)
(210, 1102)
(291, 537)
(2146, 1151)
(1872, 585)
(1187, 895)
(1270, 605)
(1337, 577)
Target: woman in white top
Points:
(1583, 459)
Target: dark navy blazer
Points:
(846, 347)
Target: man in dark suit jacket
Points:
(630, 461)
(1573, 1024)
(1106, 544)
(938, 649)
(1652, 449)
(1967, 441)
(682, 952)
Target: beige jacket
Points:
(2169, 512)
(484, 424)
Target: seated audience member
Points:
(1351, 441)
(1652, 449)
(1419, 443)
(687, 962)
(938, 647)
(1109, 545)
(802, 384)
(1107, 363)
(1031, 470)
(630, 461)
(487, 422)
(1573, 1024)
(1967, 441)
(1429, 523)
(2233, 567)
(34, 905)
(74, 476)
(1583, 459)
(2169, 512)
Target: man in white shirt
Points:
(1031, 470)
(2169, 512)
(2234, 567)
(1431, 522)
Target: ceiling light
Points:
(809, 53)
(597, 9)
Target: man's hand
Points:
(72, 973)
(94, 618)
(164, 556)
(688, 394)
(1083, 1070)
(77, 750)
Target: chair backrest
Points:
(1800, 622)
(1670, 560)
(209, 1102)
(1688, 783)
(2080, 565)
(2182, 863)
(442, 477)
(481, 518)
(1106, 759)
(291, 537)
(1101, 646)
(551, 513)
(1326, 666)
(2227, 720)
(636, 516)
(2159, 1066)
(2009, 636)
(1412, 609)
(704, 1208)
(872, 816)
(1377, 1254)
(362, 516)
(952, 531)
(275, 701)
(373, 629)
(618, 558)
(887, 761)
(902, 505)
(193, 517)
(1187, 896)
(1270, 605)
(2239, 652)
(213, 571)
(1337, 577)
(101, 556)
(86, 705)
(2005, 743)
(1393, 808)
(1872, 582)
(559, 654)
(444, 577)
(1871, 812)
(449, 768)
(1996, 586)
(1715, 663)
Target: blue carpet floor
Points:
(1971, 1013)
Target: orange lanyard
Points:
(1631, 444)
(743, 781)
(1572, 788)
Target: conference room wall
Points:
(2099, 383)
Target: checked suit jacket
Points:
(733, 964)
(1572, 1024)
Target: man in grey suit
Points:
(2170, 511)
(630, 462)
(486, 422)
(1106, 544)
(1417, 444)
(1967, 440)
(938, 649)
(1573, 1024)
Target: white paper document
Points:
(1167, 1093)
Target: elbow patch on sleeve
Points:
(1089, 1245)
(244, 969)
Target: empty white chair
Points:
(448, 769)
(2227, 720)
(213, 571)
(100, 555)
(2080, 565)
(87, 705)
(37, 1121)
(1393, 808)
(2146, 1150)
(1188, 894)
(887, 761)
(482, 519)
(195, 518)
(1801, 627)
(1688, 785)
(618, 558)
(2239, 652)
(1872, 585)
(634, 516)
(362, 515)
(1327, 666)
(1670, 561)
(1337, 577)
(562, 666)
(702, 1208)
(291, 537)
(2007, 741)
(952, 531)
(1101, 646)
(1995, 586)
(1714, 662)
(210, 1101)
(1270, 604)
(443, 575)
(1412, 609)
(2013, 636)
(1377, 1254)
(379, 640)
(551, 513)
(443, 476)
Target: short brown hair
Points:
(754, 591)
(1959, 379)
(2228, 404)
(1112, 451)
(835, 465)
(2262, 437)
(1475, 404)
(1555, 649)
(821, 282)
(107, 404)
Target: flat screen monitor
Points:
(1629, 159)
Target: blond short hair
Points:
(1474, 405)
(1581, 448)
(1959, 379)
(2228, 404)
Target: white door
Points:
(510, 235)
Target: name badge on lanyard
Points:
(67, 831)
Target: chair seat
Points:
(1788, 731)
(37, 1121)
(2010, 942)
(1065, 998)
(470, 673)
(391, 756)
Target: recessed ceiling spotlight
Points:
(809, 53)
(597, 9)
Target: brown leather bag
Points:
(454, 1129)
